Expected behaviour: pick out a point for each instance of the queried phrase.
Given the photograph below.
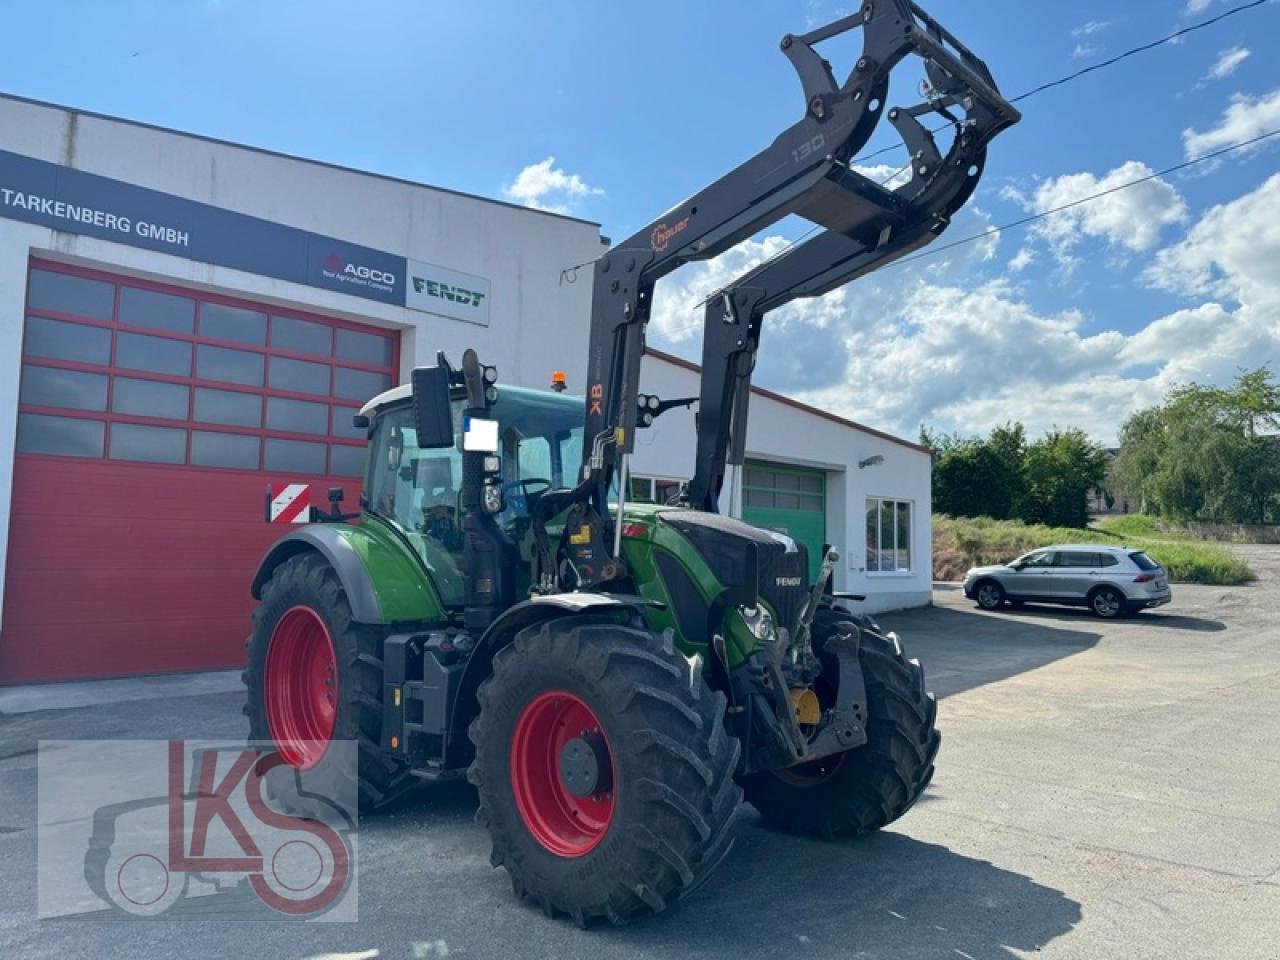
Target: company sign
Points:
(448, 293)
(73, 201)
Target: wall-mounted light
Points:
(870, 462)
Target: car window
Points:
(1076, 558)
(1143, 561)
(1107, 560)
(1041, 558)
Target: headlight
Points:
(758, 622)
(492, 498)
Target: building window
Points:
(888, 536)
(662, 490)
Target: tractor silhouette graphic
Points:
(215, 834)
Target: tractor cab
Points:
(418, 489)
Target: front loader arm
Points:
(873, 227)
(805, 171)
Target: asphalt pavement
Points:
(1103, 790)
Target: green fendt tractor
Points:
(615, 677)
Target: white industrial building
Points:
(186, 320)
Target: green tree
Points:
(976, 477)
(1009, 443)
(1207, 453)
(972, 481)
(1059, 470)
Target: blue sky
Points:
(1075, 322)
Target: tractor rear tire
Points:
(303, 606)
(858, 792)
(653, 818)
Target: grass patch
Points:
(1138, 525)
(962, 542)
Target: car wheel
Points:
(990, 595)
(1107, 603)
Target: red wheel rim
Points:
(565, 824)
(300, 685)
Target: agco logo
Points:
(350, 272)
(660, 239)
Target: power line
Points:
(1171, 38)
(570, 274)
(1022, 222)
(934, 251)
(1142, 49)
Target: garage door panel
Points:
(54, 652)
(53, 487)
(105, 596)
(136, 520)
(790, 500)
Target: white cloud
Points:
(1130, 220)
(1083, 51)
(1228, 62)
(909, 345)
(1021, 260)
(1198, 6)
(886, 174)
(1231, 254)
(544, 186)
(1090, 28)
(1247, 117)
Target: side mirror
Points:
(1017, 565)
(432, 411)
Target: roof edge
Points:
(795, 404)
(266, 151)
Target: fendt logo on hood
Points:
(336, 267)
(788, 581)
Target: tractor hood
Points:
(721, 542)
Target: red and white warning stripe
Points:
(290, 503)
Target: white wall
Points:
(537, 323)
(782, 433)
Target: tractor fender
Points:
(500, 633)
(344, 560)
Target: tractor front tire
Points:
(864, 789)
(604, 769)
(315, 676)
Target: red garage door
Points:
(150, 420)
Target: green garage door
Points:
(791, 500)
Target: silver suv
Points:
(1110, 581)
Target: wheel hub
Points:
(562, 775)
(584, 766)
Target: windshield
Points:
(1143, 561)
(419, 491)
(541, 445)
